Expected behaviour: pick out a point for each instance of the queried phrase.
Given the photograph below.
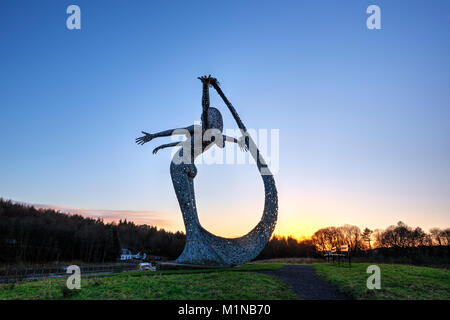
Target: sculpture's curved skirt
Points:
(205, 248)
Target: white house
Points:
(127, 255)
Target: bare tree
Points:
(445, 237)
(351, 235)
(319, 239)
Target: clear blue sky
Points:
(363, 114)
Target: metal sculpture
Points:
(203, 247)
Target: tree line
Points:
(400, 236)
(396, 243)
(43, 235)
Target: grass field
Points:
(236, 283)
(399, 282)
(240, 283)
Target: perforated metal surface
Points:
(203, 247)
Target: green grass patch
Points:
(398, 282)
(254, 266)
(194, 285)
(242, 268)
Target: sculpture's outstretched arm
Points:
(233, 111)
(206, 81)
(240, 142)
(147, 137)
(249, 143)
(168, 145)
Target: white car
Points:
(146, 266)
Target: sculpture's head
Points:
(215, 120)
(215, 126)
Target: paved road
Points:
(306, 283)
(46, 276)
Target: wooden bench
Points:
(330, 254)
(341, 255)
(345, 253)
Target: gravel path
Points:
(306, 283)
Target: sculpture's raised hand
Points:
(207, 79)
(144, 139)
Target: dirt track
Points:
(306, 283)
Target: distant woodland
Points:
(29, 235)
